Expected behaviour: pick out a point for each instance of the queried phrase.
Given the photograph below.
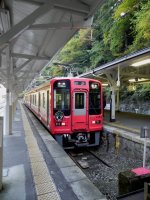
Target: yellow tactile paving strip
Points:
(44, 185)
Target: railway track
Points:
(81, 159)
(75, 159)
(99, 159)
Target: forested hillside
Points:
(119, 27)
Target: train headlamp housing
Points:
(94, 86)
(59, 116)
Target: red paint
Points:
(73, 123)
(141, 171)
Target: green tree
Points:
(130, 30)
(119, 27)
(100, 51)
(142, 27)
(56, 71)
(77, 51)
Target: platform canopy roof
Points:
(131, 69)
(33, 31)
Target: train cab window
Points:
(62, 97)
(94, 98)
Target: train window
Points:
(94, 99)
(35, 99)
(62, 97)
(80, 83)
(43, 100)
(39, 99)
(79, 100)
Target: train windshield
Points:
(62, 97)
(94, 98)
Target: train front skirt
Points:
(79, 140)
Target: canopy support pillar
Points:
(112, 105)
(1, 151)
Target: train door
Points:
(48, 107)
(79, 112)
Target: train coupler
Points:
(83, 144)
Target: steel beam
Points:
(62, 25)
(10, 119)
(1, 151)
(26, 56)
(22, 66)
(72, 5)
(19, 28)
(33, 2)
(6, 117)
(14, 105)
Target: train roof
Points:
(44, 85)
(73, 78)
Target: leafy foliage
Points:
(119, 27)
(119, 40)
(76, 51)
(142, 27)
(126, 7)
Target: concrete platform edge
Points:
(78, 181)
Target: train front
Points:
(76, 118)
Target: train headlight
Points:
(59, 116)
(63, 124)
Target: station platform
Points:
(127, 121)
(127, 125)
(35, 167)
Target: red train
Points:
(71, 108)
